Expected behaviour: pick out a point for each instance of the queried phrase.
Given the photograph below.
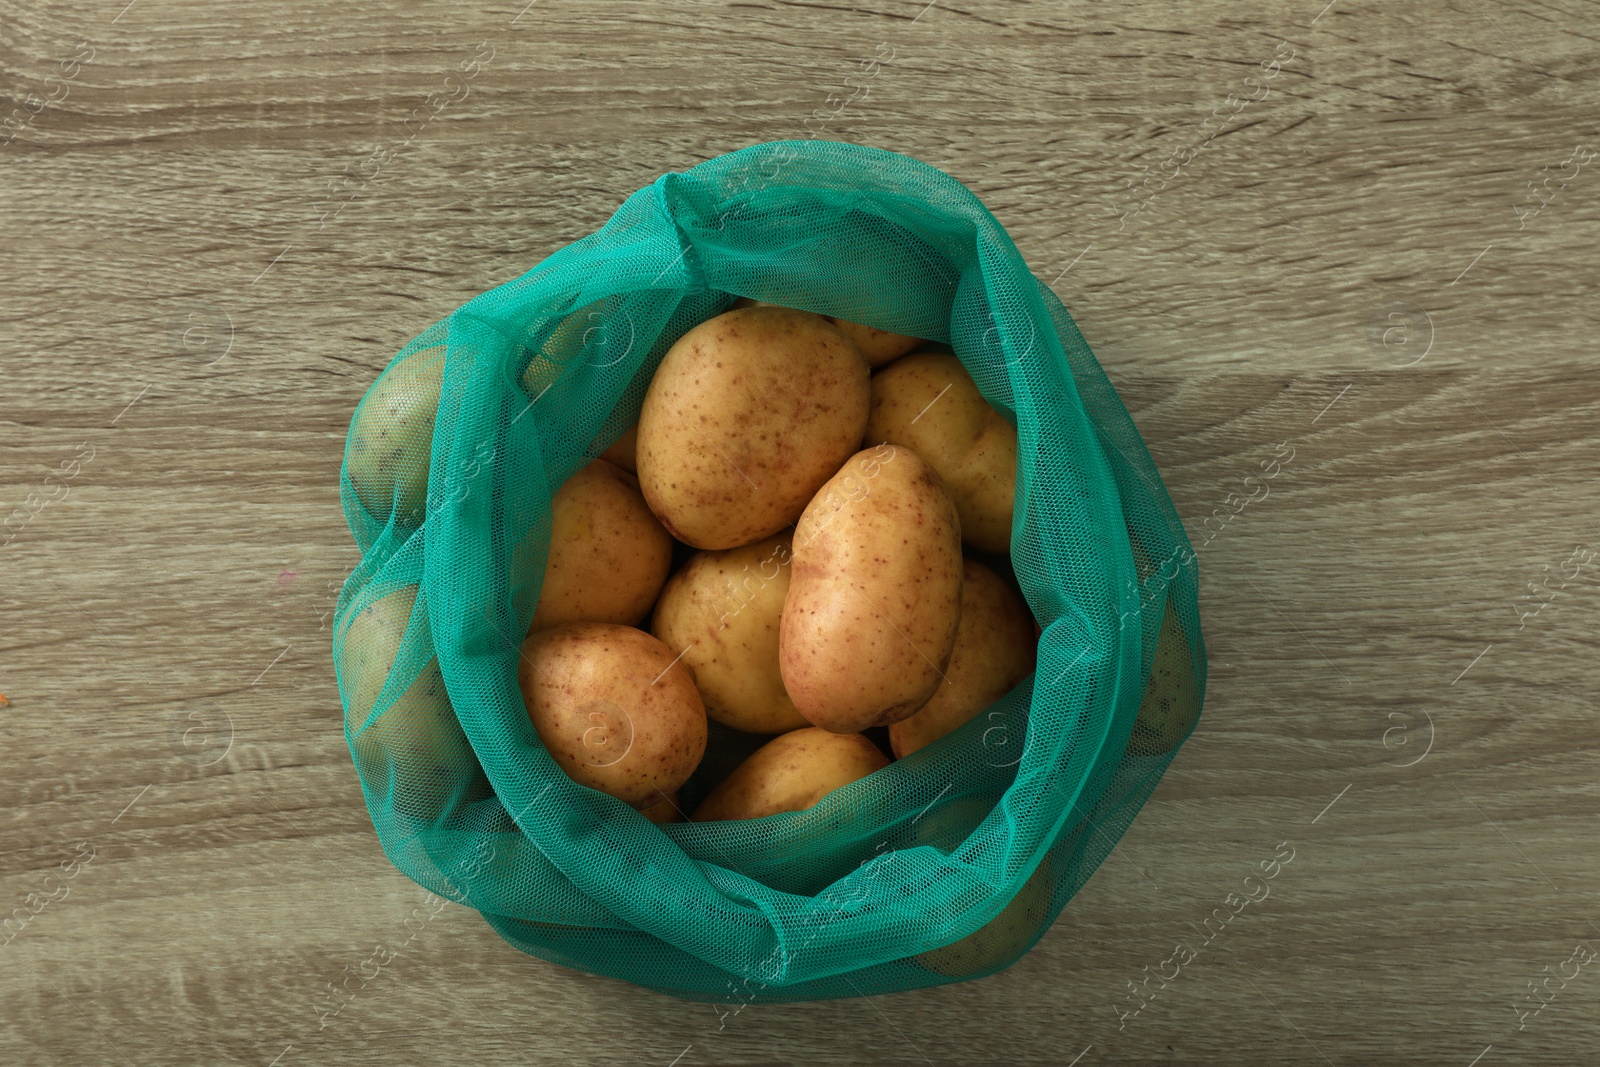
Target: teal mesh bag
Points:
(946, 865)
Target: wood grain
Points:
(180, 297)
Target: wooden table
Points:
(220, 221)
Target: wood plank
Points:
(180, 296)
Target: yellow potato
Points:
(875, 595)
(564, 349)
(721, 612)
(995, 649)
(878, 346)
(613, 709)
(748, 414)
(416, 744)
(609, 556)
(623, 451)
(791, 773)
(1143, 565)
(665, 809)
(391, 438)
(928, 403)
(1003, 938)
(1171, 704)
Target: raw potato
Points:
(1143, 565)
(748, 414)
(613, 709)
(623, 451)
(1171, 705)
(929, 403)
(875, 596)
(416, 743)
(391, 439)
(791, 773)
(878, 346)
(722, 611)
(995, 649)
(609, 557)
(563, 350)
(665, 809)
(1004, 938)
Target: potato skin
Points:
(613, 709)
(929, 403)
(624, 451)
(791, 772)
(722, 611)
(417, 741)
(577, 340)
(609, 557)
(391, 438)
(665, 809)
(995, 649)
(1171, 704)
(877, 346)
(875, 595)
(747, 415)
(1002, 939)
(1004, 936)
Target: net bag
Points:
(946, 865)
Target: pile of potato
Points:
(828, 594)
(817, 480)
(823, 488)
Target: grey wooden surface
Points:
(216, 226)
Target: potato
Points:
(1004, 937)
(613, 708)
(609, 557)
(995, 649)
(623, 451)
(416, 744)
(721, 611)
(929, 403)
(391, 438)
(664, 810)
(791, 773)
(748, 414)
(875, 595)
(577, 340)
(878, 346)
(1143, 565)
(1171, 704)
